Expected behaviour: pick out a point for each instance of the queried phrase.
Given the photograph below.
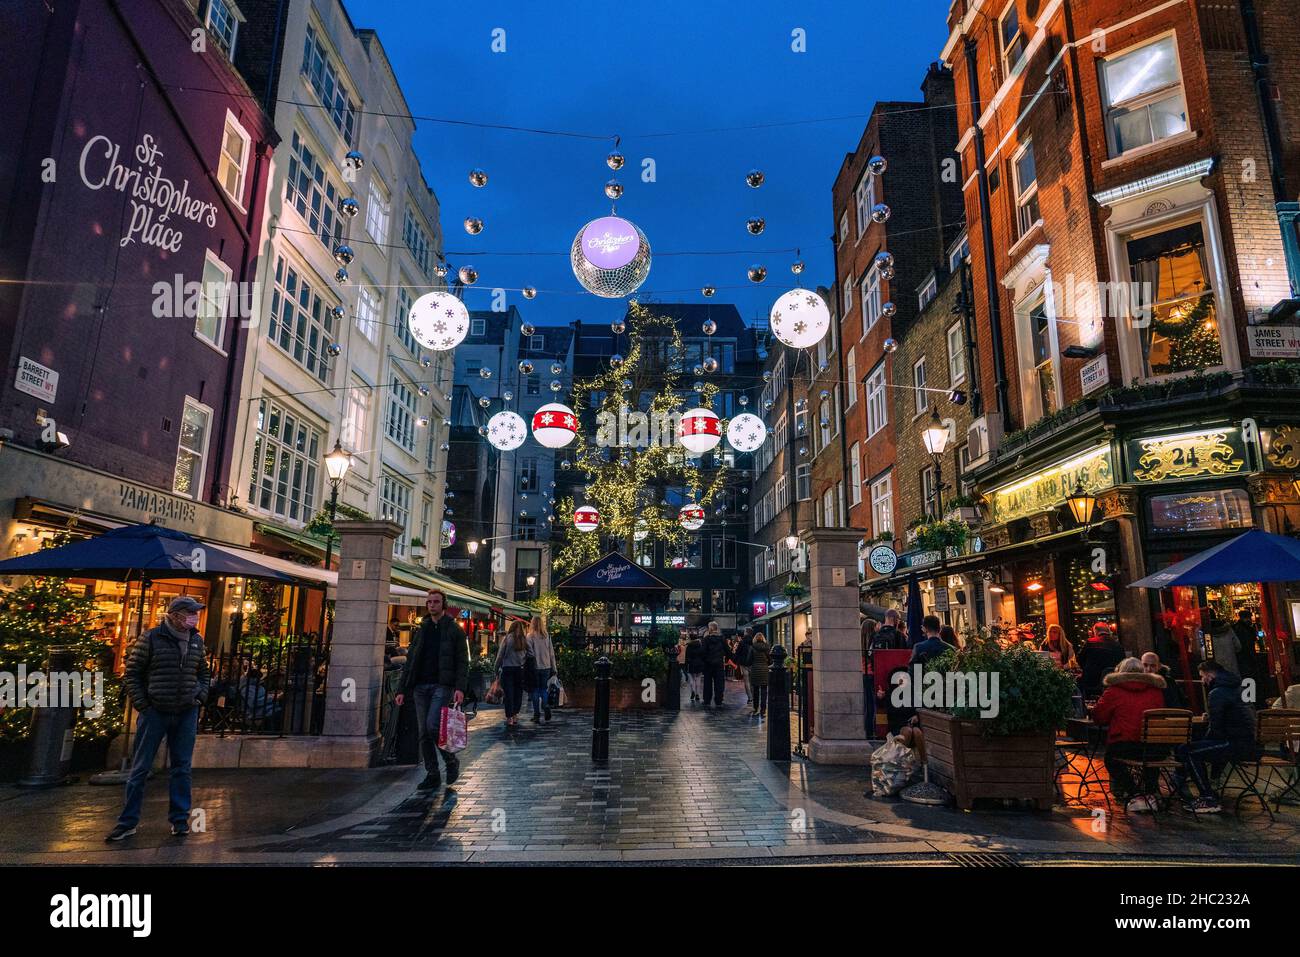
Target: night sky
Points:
(640, 70)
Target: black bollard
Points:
(673, 693)
(600, 719)
(778, 709)
(51, 732)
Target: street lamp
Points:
(935, 437)
(1081, 504)
(472, 545)
(337, 463)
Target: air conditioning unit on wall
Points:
(983, 436)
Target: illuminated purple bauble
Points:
(610, 257)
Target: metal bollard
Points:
(673, 693)
(778, 709)
(51, 734)
(600, 719)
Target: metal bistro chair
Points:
(1163, 730)
(1076, 758)
(1275, 729)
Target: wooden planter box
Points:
(624, 695)
(973, 765)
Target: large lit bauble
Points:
(468, 275)
(746, 432)
(438, 321)
(691, 517)
(610, 257)
(554, 425)
(586, 519)
(506, 431)
(700, 430)
(800, 318)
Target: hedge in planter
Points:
(628, 669)
(1011, 754)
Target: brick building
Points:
(920, 189)
(1129, 183)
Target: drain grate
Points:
(983, 859)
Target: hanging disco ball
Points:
(891, 345)
(614, 189)
(709, 327)
(556, 368)
(708, 292)
(796, 267)
(507, 396)
(615, 160)
(526, 367)
(350, 207)
(618, 327)
(343, 255)
(440, 270)
(468, 275)
(333, 348)
(883, 259)
(478, 177)
(800, 318)
(484, 401)
(757, 273)
(586, 518)
(754, 178)
(700, 430)
(767, 375)
(424, 391)
(554, 426)
(877, 165)
(340, 275)
(889, 310)
(698, 371)
(354, 159)
(438, 321)
(755, 225)
(473, 225)
(710, 364)
(339, 313)
(887, 272)
(742, 401)
(610, 257)
(615, 361)
(506, 431)
(627, 383)
(556, 385)
(529, 292)
(485, 373)
(879, 213)
(746, 432)
(767, 405)
(482, 430)
(527, 329)
(691, 517)
(698, 387)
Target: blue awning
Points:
(1256, 556)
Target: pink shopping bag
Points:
(453, 732)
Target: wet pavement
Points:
(693, 786)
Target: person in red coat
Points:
(1129, 693)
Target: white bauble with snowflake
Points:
(506, 431)
(800, 318)
(554, 425)
(438, 321)
(746, 432)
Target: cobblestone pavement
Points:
(693, 786)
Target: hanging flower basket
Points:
(794, 590)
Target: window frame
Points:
(885, 499)
(223, 157)
(1142, 100)
(872, 299)
(1009, 65)
(222, 306)
(1023, 195)
(196, 493)
(876, 394)
(236, 17)
(379, 209)
(855, 473)
(920, 397)
(862, 212)
(956, 357)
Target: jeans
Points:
(512, 689)
(1197, 755)
(429, 702)
(759, 698)
(150, 728)
(715, 683)
(538, 694)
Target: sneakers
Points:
(1142, 804)
(1204, 805)
(453, 772)
(180, 830)
(430, 782)
(119, 833)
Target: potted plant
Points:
(1010, 753)
(794, 590)
(635, 676)
(940, 536)
(963, 508)
(913, 530)
(480, 675)
(417, 549)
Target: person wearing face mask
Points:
(167, 679)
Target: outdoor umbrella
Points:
(138, 551)
(913, 611)
(1256, 556)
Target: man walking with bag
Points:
(167, 679)
(437, 672)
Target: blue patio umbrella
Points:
(139, 551)
(913, 611)
(1256, 556)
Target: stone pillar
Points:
(838, 734)
(356, 666)
(1132, 606)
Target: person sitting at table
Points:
(1130, 692)
(1173, 694)
(1229, 736)
(1100, 655)
(1059, 647)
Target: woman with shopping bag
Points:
(543, 653)
(511, 657)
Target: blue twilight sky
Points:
(637, 69)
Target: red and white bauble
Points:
(699, 431)
(554, 425)
(586, 519)
(746, 432)
(691, 517)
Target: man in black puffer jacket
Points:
(167, 680)
(436, 675)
